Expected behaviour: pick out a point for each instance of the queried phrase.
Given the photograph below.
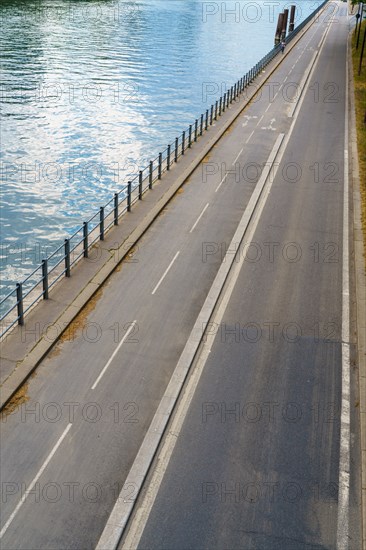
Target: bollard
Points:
(67, 258)
(140, 185)
(45, 279)
(116, 209)
(129, 196)
(85, 239)
(20, 304)
(101, 223)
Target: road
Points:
(72, 442)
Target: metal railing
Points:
(78, 245)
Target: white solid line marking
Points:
(43, 467)
(240, 152)
(249, 136)
(344, 451)
(221, 182)
(260, 120)
(165, 272)
(199, 217)
(113, 355)
(268, 106)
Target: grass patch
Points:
(360, 106)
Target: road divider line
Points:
(122, 510)
(250, 135)
(344, 450)
(238, 155)
(113, 355)
(166, 272)
(221, 182)
(42, 469)
(199, 217)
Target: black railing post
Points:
(67, 258)
(227, 99)
(150, 174)
(201, 125)
(176, 150)
(224, 103)
(159, 165)
(140, 185)
(101, 223)
(85, 239)
(211, 115)
(216, 110)
(206, 121)
(220, 106)
(45, 278)
(190, 136)
(20, 304)
(168, 158)
(116, 209)
(183, 141)
(129, 196)
(195, 129)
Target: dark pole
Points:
(362, 49)
(359, 28)
(292, 19)
(284, 24)
(278, 29)
(357, 18)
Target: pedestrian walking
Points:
(283, 44)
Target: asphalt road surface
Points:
(67, 449)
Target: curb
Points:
(360, 289)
